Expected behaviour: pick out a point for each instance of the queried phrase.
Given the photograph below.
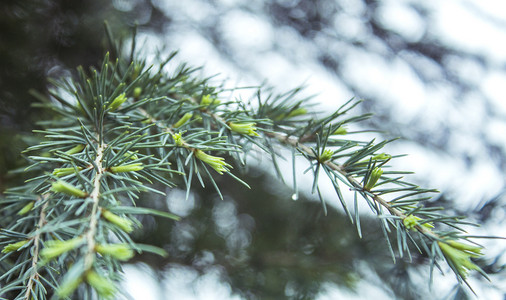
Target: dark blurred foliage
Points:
(268, 247)
(47, 38)
(271, 247)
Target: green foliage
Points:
(125, 127)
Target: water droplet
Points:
(295, 197)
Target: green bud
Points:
(341, 130)
(136, 71)
(80, 108)
(467, 248)
(215, 162)
(46, 154)
(68, 287)
(117, 102)
(55, 248)
(132, 155)
(60, 172)
(459, 259)
(122, 223)
(326, 155)
(294, 113)
(14, 247)
(183, 120)
(117, 251)
(127, 168)
(297, 112)
(137, 92)
(76, 149)
(244, 128)
(411, 221)
(382, 156)
(104, 287)
(26, 208)
(178, 140)
(61, 186)
(373, 178)
(207, 100)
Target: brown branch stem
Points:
(35, 256)
(95, 196)
(295, 142)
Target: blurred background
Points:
(432, 72)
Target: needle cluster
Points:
(126, 126)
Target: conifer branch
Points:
(36, 243)
(144, 122)
(95, 197)
(446, 245)
(295, 142)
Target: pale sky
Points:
(477, 27)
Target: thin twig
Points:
(95, 197)
(35, 256)
(164, 128)
(294, 142)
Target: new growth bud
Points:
(68, 287)
(55, 248)
(136, 71)
(122, 223)
(247, 128)
(373, 178)
(137, 92)
(326, 155)
(14, 246)
(131, 155)
(294, 113)
(117, 102)
(459, 256)
(341, 130)
(75, 149)
(297, 112)
(61, 186)
(117, 251)
(382, 156)
(80, 108)
(178, 140)
(466, 247)
(411, 221)
(207, 100)
(183, 120)
(215, 162)
(126, 168)
(60, 172)
(26, 208)
(377, 157)
(104, 287)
